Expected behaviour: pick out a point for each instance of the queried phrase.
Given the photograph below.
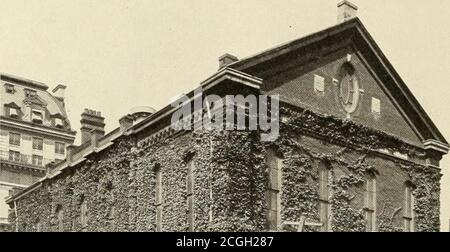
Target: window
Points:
(13, 112)
(14, 139)
(370, 203)
(273, 193)
(59, 123)
(324, 197)
(9, 89)
(408, 209)
(83, 214)
(319, 83)
(14, 156)
(376, 106)
(158, 198)
(190, 195)
(111, 216)
(30, 93)
(36, 116)
(38, 143)
(37, 160)
(60, 216)
(60, 148)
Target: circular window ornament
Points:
(349, 89)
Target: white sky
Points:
(117, 54)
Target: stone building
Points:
(356, 152)
(34, 131)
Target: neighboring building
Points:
(34, 131)
(356, 152)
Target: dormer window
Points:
(59, 123)
(13, 112)
(37, 116)
(9, 88)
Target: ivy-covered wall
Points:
(231, 178)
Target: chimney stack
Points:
(59, 92)
(346, 11)
(226, 59)
(92, 125)
(126, 122)
(69, 155)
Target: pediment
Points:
(298, 70)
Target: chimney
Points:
(226, 59)
(346, 11)
(92, 123)
(59, 92)
(69, 155)
(126, 122)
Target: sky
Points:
(117, 54)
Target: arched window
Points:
(324, 196)
(408, 208)
(83, 214)
(370, 208)
(273, 193)
(60, 216)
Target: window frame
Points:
(370, 203)
(11, 114)
(60, 216)
(62, 148)
(190, 184)
(37, 160)
(58, 122)
(41, 145)
(19, 137)
(9, 88)
(40, 120)
(158, 198)
(408, 208)
(84, 214)
(324, 196)
(16, 156)
(274, 191)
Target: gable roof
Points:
(361, 38)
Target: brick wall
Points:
(296, 85)
(230, 181)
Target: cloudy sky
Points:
(117, 54)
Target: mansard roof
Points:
(43, 98)
(358, 36)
